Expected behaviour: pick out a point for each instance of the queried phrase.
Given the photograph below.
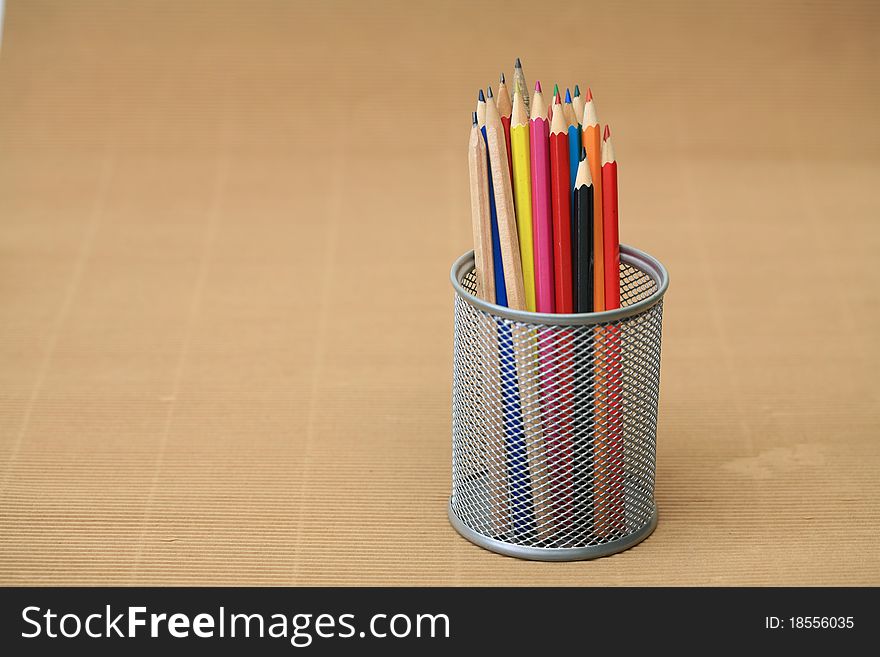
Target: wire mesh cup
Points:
(554, 420)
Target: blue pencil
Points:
(574, 159)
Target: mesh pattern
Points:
(554, 427)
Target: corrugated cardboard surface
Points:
(225, 315)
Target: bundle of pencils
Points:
(545, 225)
(540, 183)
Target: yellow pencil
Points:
(522, 190)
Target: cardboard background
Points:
(225, 316)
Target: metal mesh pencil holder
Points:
(554, 420)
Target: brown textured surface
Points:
(226, 324)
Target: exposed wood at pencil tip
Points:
(519, 114)
(481, 109)
(590, 117)
(539, 107)
(583, 179)
(503, 101)
(557, 123)
(607, 148)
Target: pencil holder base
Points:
(554, 554)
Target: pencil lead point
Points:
(481, 97)
(557, 98)
(518, 63)
(538, 86)
(577, 91)
(489, 92)
(589, 94)
(474, 118)
(607, 132)
(567, 96)
(555, 90)
(503, 81)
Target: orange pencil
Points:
(593, 144)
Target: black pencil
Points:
(582, 273)
(582, 244)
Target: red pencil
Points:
(559, 447)
(560, 195)
(610, 489)
(505, 109)
(611, 238)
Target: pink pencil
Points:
(545, 300)
(542, 225)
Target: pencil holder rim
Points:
(628, 255)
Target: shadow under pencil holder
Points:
(554, 420)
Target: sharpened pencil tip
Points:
(589, 94)
(555, 89)
(518, 63)
(481, 97)
(503, 81)
(567, 96)
(489, 92)
(538, 86)
(474, 118)
(557, 98)
(607, 132)
(577, 91)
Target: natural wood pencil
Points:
(504, 208)
(480, 215)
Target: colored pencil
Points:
(582, 244)
(519, 84)
(522, 194)
(528, 338)
(592, 141)
(542, 223)
(498, 266)
(574, 138)
(560, 197)
(545, 302)
(611, 240)
(480, 214)
(610, 457)
(574, 158)
(568, 109)
(505, 109)
(554, 99)
(583, 443)
(577, 102)
(559, 447)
